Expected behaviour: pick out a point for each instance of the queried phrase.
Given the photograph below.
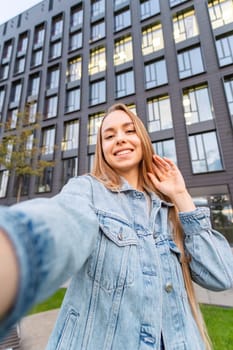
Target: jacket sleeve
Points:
(211, 256)
(52, 239)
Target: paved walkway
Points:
(36, 329)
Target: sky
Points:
(12, 8)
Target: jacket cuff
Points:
(195, 221)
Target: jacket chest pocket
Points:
(112, 264)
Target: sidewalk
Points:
(35, 329)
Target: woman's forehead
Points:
(116, 118)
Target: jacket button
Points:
(120, 237)
(169, 287)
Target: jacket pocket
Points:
(112, 264)
(68, 331)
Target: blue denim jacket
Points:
(127, 286)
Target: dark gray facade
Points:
(171, 61)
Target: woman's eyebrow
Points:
(112, 128)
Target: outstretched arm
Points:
(8, 274)
(168, 179)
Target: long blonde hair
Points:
(104, 173)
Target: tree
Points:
(20, 152)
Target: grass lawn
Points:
(219, 320)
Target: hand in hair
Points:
(167, 178)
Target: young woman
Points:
(131, 237)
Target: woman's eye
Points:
(108, 137)
(130, 131)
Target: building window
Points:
(71, 135)
(72, 100)
(7, 51)
(53, 77)
(152, 39)
(166, 148)
(24, 185)
(4, 177)
(76, 17)
(228, 85)
(37, 57)
(197, 104)
(48, 140)
(221, 211)
(122, 20)
(39, 35)
(57, 26)
(70, 169)
(34, 85)
(225, 49)
(44, 182)
(97, 61)
(155, 74)
(93, 126)
(190, 62)
(22, 44)
(205, 153)
(221, 12)
(98, 30)
(125, 84)
(91, 158)
(184, 26)
(97, 8)
(159, 114)
(97, 92)
(32, 112)
(12, 118)
(76, 40)
(74, 71)
(55, 49)
(2, 99)
(123, 50)
(4, 71)
(176, 2)
(149, 8)
(16, 92)
(20, 65)
(118, 2)
(51, 107)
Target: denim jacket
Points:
(127, 286)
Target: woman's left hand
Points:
(168, 179)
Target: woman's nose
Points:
(120, 137)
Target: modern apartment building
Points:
(170, 61)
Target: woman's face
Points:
(120, 144)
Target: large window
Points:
(122, 20)
(57, 26)
(152, 39)
(97, 7)
(4, 71)
(166, 148)
(125, 84)
(44, 182)
(48, 140)
(55, 49)
(2, 99)
(190, 62)
(93, 126)
(76, 17)
(72, 100)
(76, 40)
(98, 30)
(221, 12)
(97, 61)
(149, 8)
(71, 135)
(39, 35)
(53, 77)
(7, 51)
(70, 169)
(97, 92)
(225, 49)
(197, 104)
(12, 118)
(16, 92)
(4, 177)
(159, 113)
(123, 50)
(37, 57)
(22, 44)
(221, 211)
(205, 153)
(34, 85)
(228, 84)
(74, 69)
(32, 112)
(20, 65)
(51, 107)
(176, 2)
(184, 25)
(155, 73)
